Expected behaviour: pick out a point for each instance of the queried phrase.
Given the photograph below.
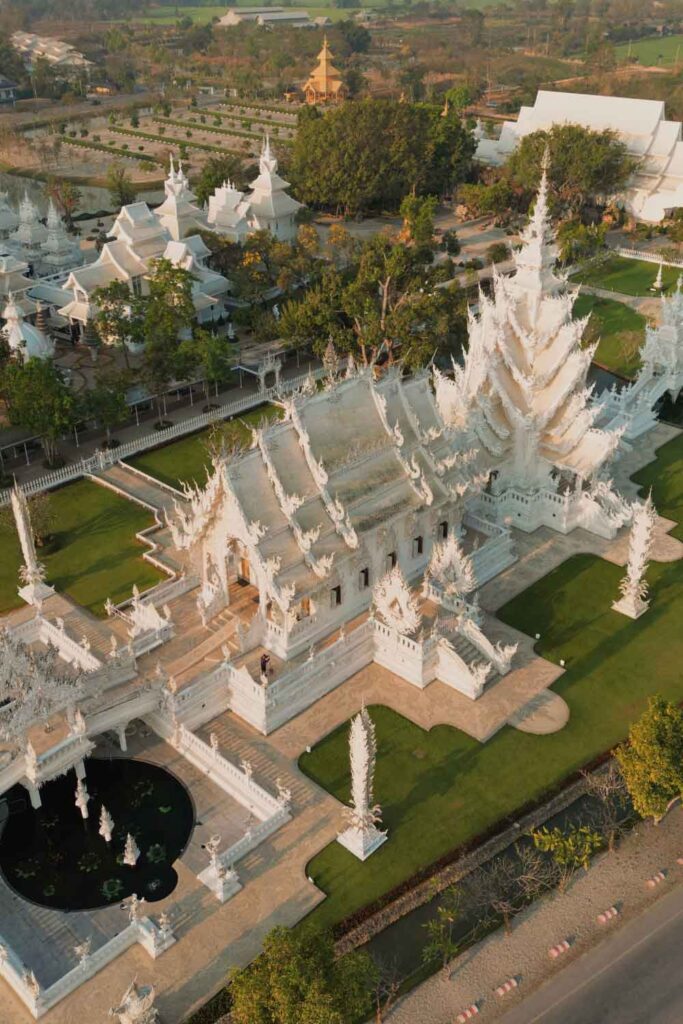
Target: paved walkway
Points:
(649, 306)
(615, 879)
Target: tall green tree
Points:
(299, 980)
(168, 314)
(652, 760)
(119, 316)
(106, 402)
(66, 196)
(39, 400)
(585, 165)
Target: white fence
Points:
(104, 458)
(648, 256)
(39, 1000)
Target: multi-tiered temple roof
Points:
(523, 386)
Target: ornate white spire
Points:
(362, 837)
(523, 385)
(633, 586)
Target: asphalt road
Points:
(634, 977)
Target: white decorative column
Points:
(633, 601)
(32, 572)
(223, 881)
(362, 837)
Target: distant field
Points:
(659, 50)
(202, 15)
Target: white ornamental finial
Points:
(362, 837)
(106, 828)
(82, 798)
(633, 586)
(131, 852)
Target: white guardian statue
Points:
(362, 837)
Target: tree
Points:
(168, 312)
(584, 165)
(608, 787)
(42, 513)
(216, 171)
(579, 241)
(39, 399)
(442, 944)
(122, 191)
(418, 220)
(482, 200)
(118, 317)
(355, 36)
(214, 354)
(412, 81)
(459, 97)
(298, 980)
(652, 760)
(570, 849)
(66, 196)
(106, 402)
(368, 154)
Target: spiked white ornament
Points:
(633, 601)
(362, 837)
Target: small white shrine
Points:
(25, 340)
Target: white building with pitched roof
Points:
(657, 144)
(24, 339)
(228, 213)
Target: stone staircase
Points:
(470, 655)
(79, 623)
(137, 487)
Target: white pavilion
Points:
(228, 213)
(657, 186)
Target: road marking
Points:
(607, 967)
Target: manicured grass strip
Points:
(653, 51)
(630, 277)
(620, 330)
(441, 789)
(664, 478)
(237, 132)
(187, 460)
(96, 554)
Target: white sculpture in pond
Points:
(633, 601)
(395, 603)
(82, 798)
(106, 828)
(362, 837)
(32, 572)
(137, 1006)
(131, 851)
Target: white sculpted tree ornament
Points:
(32, 572)
(131, 851)
(395, 603)
(523, 387)
(362, 837)
(451, 568)
(136, 1006)
(633, 601)
(34, 686)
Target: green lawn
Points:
(630, 277)
(656, 50)
(188, 459)
(96, 554)
(621, 331)
(441, 789)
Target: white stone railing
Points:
(253, 836)
(232, 780)
(104, 458)
(39, 1000)
(648, 256)
(40, 629)
(58, 760)
(496, 553)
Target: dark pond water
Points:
(56, 859)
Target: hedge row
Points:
(191, 126)
(172, 142)
(227, 129)
(101, 147)
(257, 105)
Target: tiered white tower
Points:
(59, 251)
(30, 233)
(270, 208)
(523, 391)
(179, 213)
(634, 589)
(9, 221)
(662, 353)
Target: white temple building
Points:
(30, 233)
(523, 391)
(657, 186)
(142, 236)
(24, 339)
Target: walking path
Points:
(616, 879)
